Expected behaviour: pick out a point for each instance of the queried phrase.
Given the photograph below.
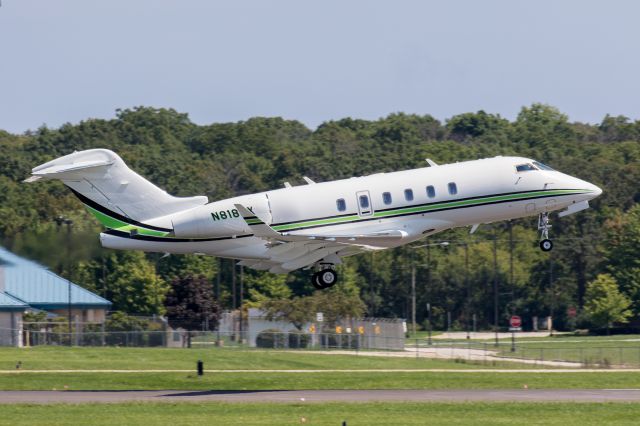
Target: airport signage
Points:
(515, 321)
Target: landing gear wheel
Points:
(314, 281)
(324, 279)
(327, 278)
(543, 227)
(546, 245)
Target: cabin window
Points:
(543, 166)
(524, 167)
(364, 201)
(453, 188)
(386, 197)
(431, 191)
(341, 204)
(408, 194)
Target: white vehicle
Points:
(316, 224)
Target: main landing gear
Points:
(324, 278)
(543, 226)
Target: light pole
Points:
(413, 283)
(59, 221)
(218, 343)
(495, 283)
(241, 303)
(468, 287)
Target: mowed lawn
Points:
(565, 414)
(92, 358)
(63, 358)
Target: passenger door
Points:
(364, 203)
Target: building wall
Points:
(11, 328)
(83, 315)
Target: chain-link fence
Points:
(184, 338)
(584, 354)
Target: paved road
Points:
(530, 395)
(344, 370)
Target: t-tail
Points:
(119, 197)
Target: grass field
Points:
(621, 350)
(564, 414)
(287, 381)
(160, 358)
(65, 358)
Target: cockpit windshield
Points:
(524, 167)
(535, 165)
(543, 166)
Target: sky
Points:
(218, 61)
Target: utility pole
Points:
(63, 220)
(241, 301)
(218, 298)
(234, 303)
(413, 294)
(413, 283)
(495, 283)
(468, 287)
(553, 295)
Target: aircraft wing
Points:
(289, 251)
(262, 230)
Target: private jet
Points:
(315, 225)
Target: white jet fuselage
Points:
(406, 205)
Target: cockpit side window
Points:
(524, 167)
(543, 166)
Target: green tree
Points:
(191, 305)
(605, 304)
(263, 286)
(128, 280)
(623, 260)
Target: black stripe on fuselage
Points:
(140, 237)
(427, 204)
(424, 212)
(102, 209)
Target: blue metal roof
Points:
(10, 303)
(35, 285)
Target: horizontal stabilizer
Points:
(102, 181)
(56, 171)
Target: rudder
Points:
(100, 176)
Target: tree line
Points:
(225, 159)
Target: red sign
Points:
(515, 321)
(571, 311)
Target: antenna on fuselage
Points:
(431, 162)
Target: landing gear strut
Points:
(324, 279)
(543, 226)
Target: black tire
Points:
(327, 278)
(546, 245)
(314, 281)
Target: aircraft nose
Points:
(595, 191)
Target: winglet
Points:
(258, 227)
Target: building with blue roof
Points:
(26, 285)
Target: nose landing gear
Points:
(543, 226)
(325, 278)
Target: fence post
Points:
(621, 356)
(417, 356)
(582, 357)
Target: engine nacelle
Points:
(219, 219)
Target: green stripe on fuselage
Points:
(119, 225)
(428, 208)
